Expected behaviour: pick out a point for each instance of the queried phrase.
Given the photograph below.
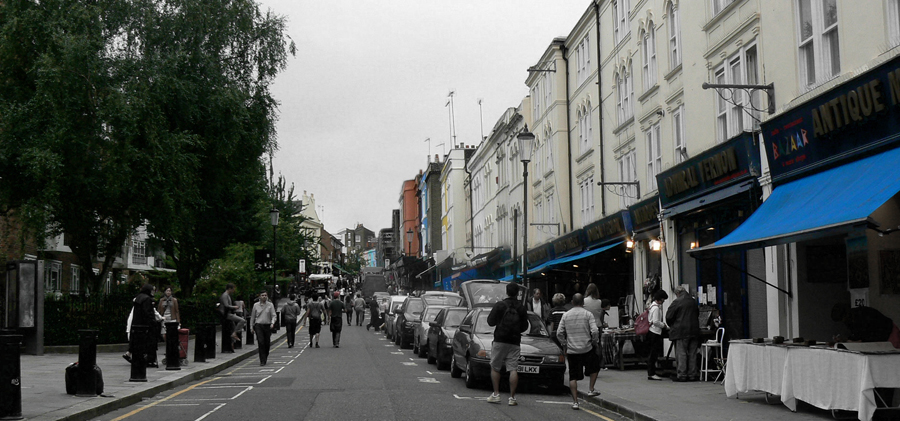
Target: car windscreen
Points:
(487, 293)
(396, 306)
(481, 324)
(536, 327)
(430, 315)
(442, 300)
(454, 318)
(414, 307)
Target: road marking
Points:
(210, 412)
(596, 414)
(468, 397)
(164, 399)
(397, 353)
(410, 364)
(553, 402)
(181, 404)
(428, 380)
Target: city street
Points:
(368, 377)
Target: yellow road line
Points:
(152, 404)
(589, 412)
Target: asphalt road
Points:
(367, 378)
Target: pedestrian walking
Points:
(142, 314)
(227, 310)
(305, 308)
(359, 305)
(539, 306)
(579, 335)
(315, 313)
(511, 319)
(289, 314)
(375, 320)
(654, 337)
(556, 313)
(683, 318)
(262, 318)
(335, 308)
(168, 307)
(348, 308)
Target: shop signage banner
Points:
(720, 166)
(570, 243)
(539, 255)
(645, 214)
(859, 115)
(613, 227)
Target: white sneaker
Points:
(512, 401)
(593, 393)
(654, 377)
(493, 398)
(575, 406)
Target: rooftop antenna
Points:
(481, 111)
(452, 117)
(429, 148)
(443, 150)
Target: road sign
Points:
(302, 266)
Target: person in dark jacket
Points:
(142, 315)
(375, 315)
(683, 318)
(507, 341)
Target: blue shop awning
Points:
(506, 278)
(562, 260)
(832, 202)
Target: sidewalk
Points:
(44, 391)
(630, 394)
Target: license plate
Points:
(528, 369)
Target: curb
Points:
(626, 408)
(119, 402)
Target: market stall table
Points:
(612, 344)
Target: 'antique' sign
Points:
(645, 214)
(568, 244)
(852, 118)
(613, 227)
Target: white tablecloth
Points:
(754, 367)
(823, 377)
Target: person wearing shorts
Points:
(579, 335)
(511, 319)
(314, 312)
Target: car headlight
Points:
(409, 325)
(484, 353)
(552, 359)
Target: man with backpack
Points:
(510, 319)
(579, 335)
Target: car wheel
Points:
(455, 371)
(441, 364)
(470, 376)
(423, 350)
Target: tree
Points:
(117, 113)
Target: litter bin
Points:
(183, 336)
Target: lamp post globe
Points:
(526, 145)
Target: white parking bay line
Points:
(410, 364)
(210, 412)
(469, 397)
(428, 380)
(554, 402)
(397, 353)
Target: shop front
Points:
(703, 200)
(831, 216)
(647, 246)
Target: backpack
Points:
(642, 323)
(510, 319)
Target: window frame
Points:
(621, 29)
(678, 135)
(893, 16)
(817, 50)
(627, 168)
(654, 154)
(648, 56)
(674, 36)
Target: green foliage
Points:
(236, 267)
(117, 113)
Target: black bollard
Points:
(86, 377)
(173, 357)
(248, 331)
(227, 342)
(10, 377)
(199, 343)
(138, 348)
(210, 340)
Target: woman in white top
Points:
(654, 337)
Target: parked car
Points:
(407, 319)
(390, 314)
(420, 337)
(541, 361)
(485, 292)
(442, 298)
(439, 340)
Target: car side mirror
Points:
(433, 324)
(464, 328)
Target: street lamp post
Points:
(409, 237)
(273, 216)
(526, 143)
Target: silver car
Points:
(420, 336)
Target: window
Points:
(587, 200)
(625, 93)
(654, 156)
(678, 135)
(538, 217)
(620, 20)
(548, 154)
(893, 18)
(734, 115)
(719, 5)
(551, 209)
(820, 58)
(537, 157)
(52, 275)
(75, 284)
(585, 131)
(583, 57)
(674, 36)
(139, 252)
(548, 90)
(628, 173)
(648, 46)
(535, 103)
(357, 238)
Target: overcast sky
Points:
(370, 83)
